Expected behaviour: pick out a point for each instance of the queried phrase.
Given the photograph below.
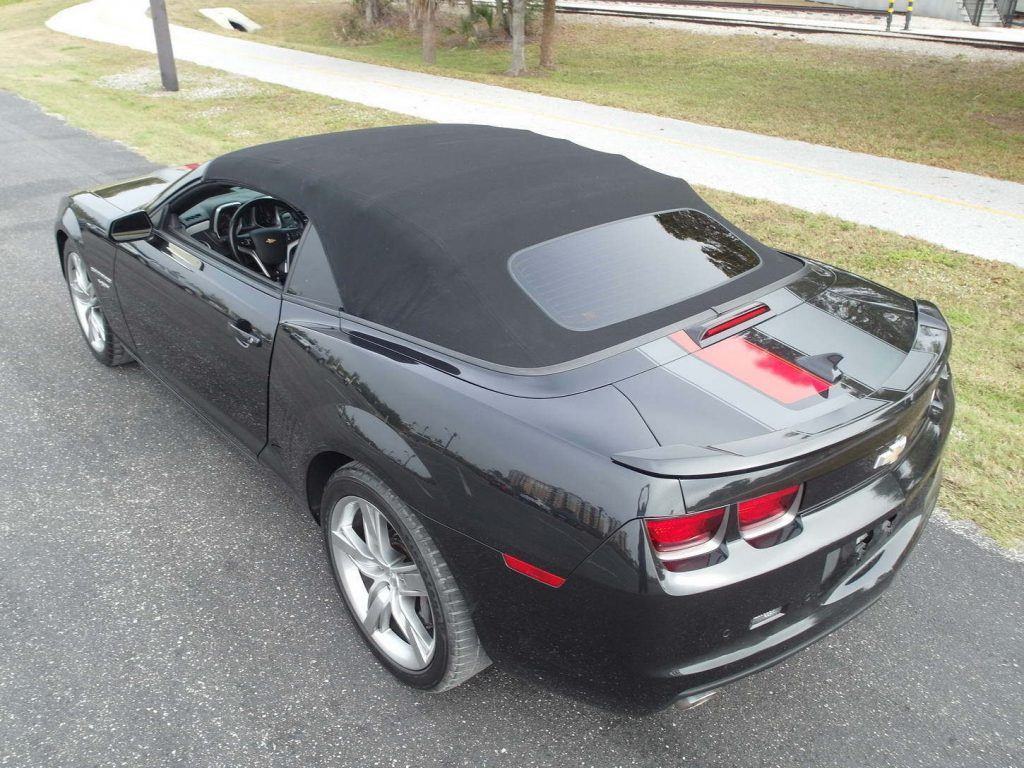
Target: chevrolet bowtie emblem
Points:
(892, 453)
(271, 240)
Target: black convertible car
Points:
(548, 406)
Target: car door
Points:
(203, 325)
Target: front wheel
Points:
(102, 343)
(396, 585)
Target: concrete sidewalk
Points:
(973, 214)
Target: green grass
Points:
(114, 93)
(952, 113)
(981, 300)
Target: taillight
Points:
(677, 539)
(732, 322)
(759, 513)
(689, 542)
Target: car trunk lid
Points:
(832, 358)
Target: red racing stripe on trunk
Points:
(682, 338)
(780, 379)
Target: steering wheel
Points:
(267, 246)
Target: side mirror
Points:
(131, 226)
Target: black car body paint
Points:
(559, 467)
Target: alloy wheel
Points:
(382, 583)
(86, 303)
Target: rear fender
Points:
(527, 477)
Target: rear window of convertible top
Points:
(625, 269)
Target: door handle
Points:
(244, 335)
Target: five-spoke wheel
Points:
(383, 584)
(86, 303)
(396, 584)
(104, 346)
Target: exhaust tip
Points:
(696, 700)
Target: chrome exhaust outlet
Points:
(694, 701)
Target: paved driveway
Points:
(164, 601)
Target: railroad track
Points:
(703, 12)
(728, 4)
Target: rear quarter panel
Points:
(530, 477)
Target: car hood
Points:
(832, 354)
(132, 194)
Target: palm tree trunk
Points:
(429, 31)
(500, 16)
(547, 36)
(518, 38)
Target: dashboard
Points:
(209, 220)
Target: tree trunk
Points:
(469, 10)
(518, 38)
(371, 12)
(429, 31)
(547, 36)
(500, 18)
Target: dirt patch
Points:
(146, 80)
(1011, 121)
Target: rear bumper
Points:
(680, 645)
(626, 634)
(861, 582)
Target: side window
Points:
(313, 276)
(257, 232)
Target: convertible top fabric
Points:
(419, 222)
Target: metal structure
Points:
(974, 9)
(1007, 10)
(614, 8)
(164, 52)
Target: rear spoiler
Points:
(903, 398)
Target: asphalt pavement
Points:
(165, 601)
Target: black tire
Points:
(113, 352)
(458, 654)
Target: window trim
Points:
(178, 185)
(288, 294)
(298, 249)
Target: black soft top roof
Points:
(419, 223)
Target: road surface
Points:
(165, 602)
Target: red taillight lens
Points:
(670, 535)
(757, 511)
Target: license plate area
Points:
(870, 556)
